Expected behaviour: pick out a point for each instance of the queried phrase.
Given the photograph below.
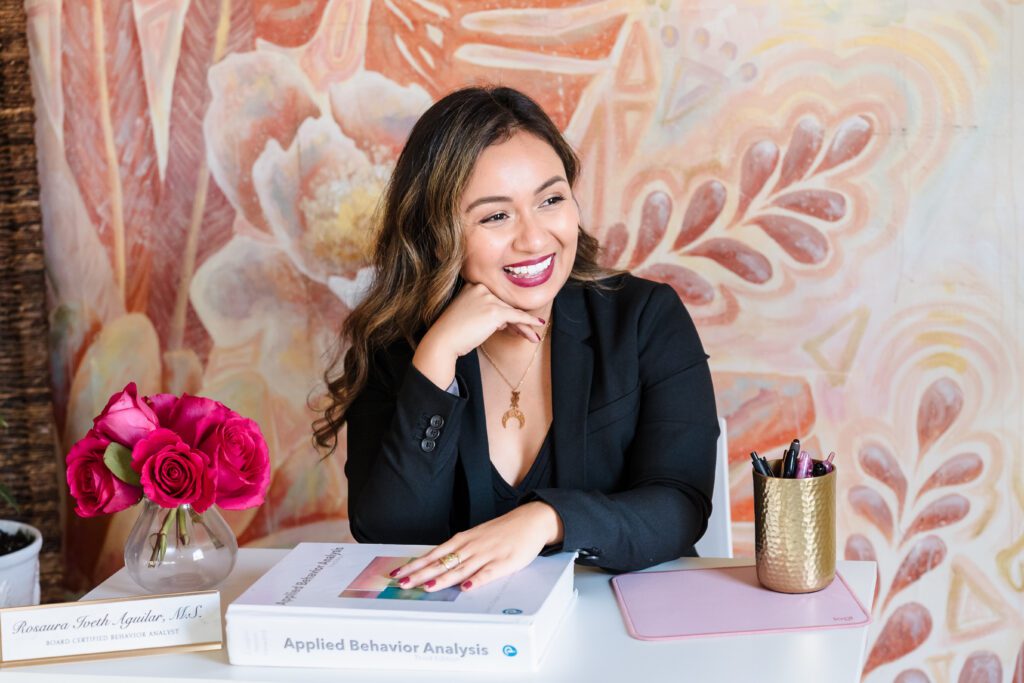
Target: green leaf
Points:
(8, 497)
(118, 460)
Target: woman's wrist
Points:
(549, 522)
(435, 362)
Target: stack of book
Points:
(335, 605)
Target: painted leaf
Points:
(613, 243)
(335, 51)
(287, 22)
(444, 44)
(877, 462)
(182, 372)
(960, 469)
(705, 207)
(940, 406)
(926, 554)
(42, 29)
(126, 350)
(802, 151)
(870, 505)
(851, 137)
(911, 676)
(801, 241)
(737, 257)
(691, 287)
(981, 666)
(758, 164)
(858, 547)
(940, 513)
(908, 627)
(194, 218)
(159, 24)
(256, 96)
(108, 134)
(73, 328)
(824, 204)
(654, 215)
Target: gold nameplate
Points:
(117, 627)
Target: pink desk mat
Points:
(691, 603)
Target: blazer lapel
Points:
(472, 445)
(572, 367)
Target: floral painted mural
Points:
(832, 187)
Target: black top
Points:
(633, 435)
(539, 476)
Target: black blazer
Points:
(634, 435)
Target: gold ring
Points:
(450, 561)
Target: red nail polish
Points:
(404, 581)
(394, 572)
(430, 584)
(542, 321)
(466, 586)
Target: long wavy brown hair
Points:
(418, 249)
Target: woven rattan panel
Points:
(28, 463)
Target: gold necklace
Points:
(513, 408)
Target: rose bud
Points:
(126, 418)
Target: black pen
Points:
(789, 460)
(758, 465)
(767, 467)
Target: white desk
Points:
(591, 647)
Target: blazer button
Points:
(428, 445)
(432, 433)
(437, 421)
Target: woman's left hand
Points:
(486, 552)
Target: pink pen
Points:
(803, 465)
(828, 462)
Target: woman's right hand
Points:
(468, 321)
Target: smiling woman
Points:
(586, 423)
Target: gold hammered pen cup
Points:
(795, 531)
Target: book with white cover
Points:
(335, 605)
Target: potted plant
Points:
(19, 556)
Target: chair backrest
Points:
(717, 540)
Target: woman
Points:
(587, 420)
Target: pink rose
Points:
(173, 473)
(193, 418)
(127, 418)
(95, 488)
(243, 463)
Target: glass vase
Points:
(172, 550)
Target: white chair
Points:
(717, 540)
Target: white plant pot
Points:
(19, 571)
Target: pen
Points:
(767, 467)
(758, 465)
(828, 462)
(789, 460)
(803, 465)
